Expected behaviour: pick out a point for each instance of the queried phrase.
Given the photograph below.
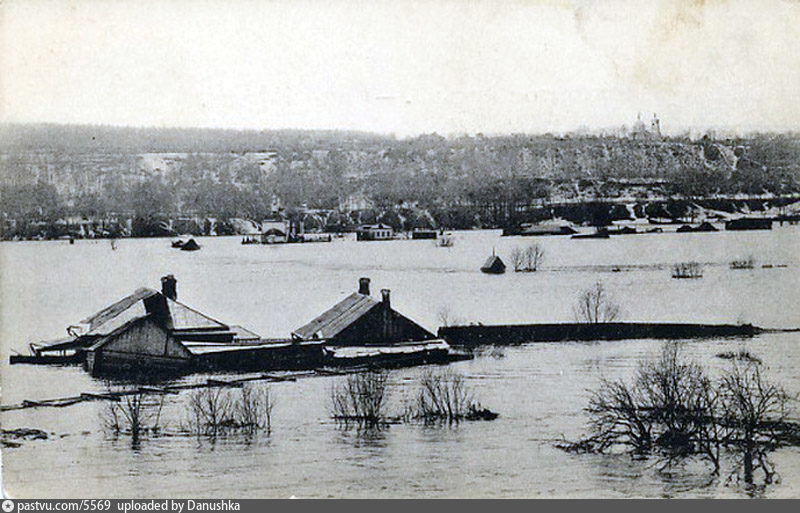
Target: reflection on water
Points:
(361, 436)
(539, 390)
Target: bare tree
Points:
(133, 415)
(754, 410)
(527, 259)
(595, 305)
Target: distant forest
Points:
(51, 171)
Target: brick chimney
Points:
(363, 286)
(385, 298)
(169, 287)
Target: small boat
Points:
(178, 243)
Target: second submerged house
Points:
(359, 320)
(363, 330)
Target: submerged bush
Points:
(360, 398)
(445, 396)
(687, 270)
(674, 410)
(133, 415)
(215, 411)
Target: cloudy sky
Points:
(403, 66)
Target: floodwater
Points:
(539, 390)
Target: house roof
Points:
(132, 307)
(336, 319)
(115, 310)
(186, 318)
(493, 262)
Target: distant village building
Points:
(274, 231)
(360, 320)
(378, 231)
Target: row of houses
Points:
(151, 331)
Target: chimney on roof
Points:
(385, 297)
(363, 286)
(169, 287)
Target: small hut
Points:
(190, 245)
(493, 265)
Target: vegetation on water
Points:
(527, 259)
(595, 305)
(675, 411)
(742, 354)
(442, 396)
(134, 415)
(445, 397)
(218, 411)
(360, 398)
(743, 263)
(687, 270)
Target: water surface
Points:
(538, 389)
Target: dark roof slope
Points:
(115, 309)
(340, 316)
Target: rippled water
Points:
(538, 389)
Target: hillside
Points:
(47, 171)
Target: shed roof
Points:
(336, 319)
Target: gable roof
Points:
(186, 318)
(336, 319)
(133, 307)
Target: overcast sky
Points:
(403, 67)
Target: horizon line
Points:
(605, 131)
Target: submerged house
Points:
(360, 328)
(151, 331)
(493, 265)
(359, 320)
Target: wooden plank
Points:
(221, 383)
(157, 390)
(106, 397)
